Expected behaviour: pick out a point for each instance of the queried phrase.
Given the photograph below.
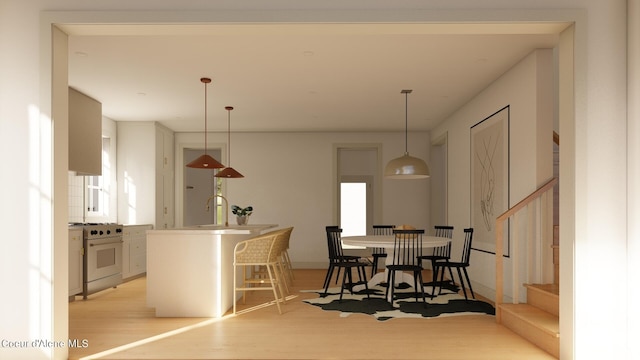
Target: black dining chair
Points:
(379, 253)
(333, 259)
(441, 253)
(462, 265)
(406, 251)
(338, 260)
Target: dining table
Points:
(387, 242)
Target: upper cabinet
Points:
(85, 134)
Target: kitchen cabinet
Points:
(134, 250)
(76, 251)
(146, 172)
(164, 178)
(190, 272)
(85, 134)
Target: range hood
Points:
(85, 134)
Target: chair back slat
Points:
(443, 231)
(383, 229)
(466, 252)
(407, 247)
(334, 243)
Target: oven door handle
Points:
(113, 242)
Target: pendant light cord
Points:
(406, 122)
(205, 117)
(229, 108)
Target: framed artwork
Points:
(490, 179)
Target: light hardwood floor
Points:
(118, 325)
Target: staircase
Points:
(538, 320)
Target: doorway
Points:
(199, 185)
(359, 199)
(356, 195)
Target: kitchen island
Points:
(190, 270)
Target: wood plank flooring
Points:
(117, 324)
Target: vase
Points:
(242, 220)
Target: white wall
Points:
(527, 89)
(290, 180)
(594, 186)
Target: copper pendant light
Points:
(406, 167)
(205, 161)
(229, 172)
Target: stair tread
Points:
(535, 316)
(550, 288)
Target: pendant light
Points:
(205, 161)
(229, 172)
(406, 167)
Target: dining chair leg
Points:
(366, 285)
(344, 278)
(386, 293)
(450, 273)
(327, 276)
(442, 278)
(434, 276)
(327, 279)
(466, 275)
(462, 284)
(338, 274)
(374, 266)
(391, 286)
(418, 275)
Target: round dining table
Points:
(387, 242)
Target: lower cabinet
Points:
(76, 252)
(134, 250)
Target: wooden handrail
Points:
(515, 208)
(499, 238)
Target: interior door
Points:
(199, 185)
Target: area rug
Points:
(449, 303)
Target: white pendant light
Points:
(205, 161)
(229, 172)
(406, 166)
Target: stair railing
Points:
(539, 228)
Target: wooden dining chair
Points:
(333, 258)
(338, 260)
(462, 265)
(406, 251)
(379, 253)
(441, 253)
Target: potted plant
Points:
(242, 214)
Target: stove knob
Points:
(118, 230)
(94, 232)
(108, 232)
(101, 232)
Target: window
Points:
(98, 188)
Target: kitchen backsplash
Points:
(76, 197)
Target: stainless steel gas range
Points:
(102, 260)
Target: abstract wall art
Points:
(489, 178)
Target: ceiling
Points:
(295, 77)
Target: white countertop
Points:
(216, 229)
